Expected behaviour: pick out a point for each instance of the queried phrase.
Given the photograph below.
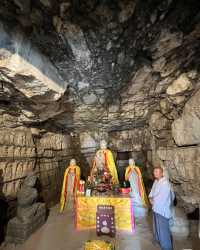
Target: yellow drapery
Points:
(63, 197)
(141, 187)
(86, 208)
(112, 167)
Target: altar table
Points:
(86, 208)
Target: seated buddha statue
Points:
(104, 166)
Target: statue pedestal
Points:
(18, 231)
(139, 211)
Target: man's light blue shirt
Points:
(162, 196)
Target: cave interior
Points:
(75, 72)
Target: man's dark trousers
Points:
(162, 232)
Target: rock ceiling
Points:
(75, 65)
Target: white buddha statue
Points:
(70, 183)
(138, 193)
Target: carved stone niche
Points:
(30, 213)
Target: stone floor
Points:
(59, 234)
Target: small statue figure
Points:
(104, 165)
(70, 183)
(30, 213)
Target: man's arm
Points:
(155, 190)
(152, 193)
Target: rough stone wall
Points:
(115, 59)
(24, 150)
(175, 146)
(183, 168)
(18, 155)
(54, 152)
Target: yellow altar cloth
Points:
(86, 208)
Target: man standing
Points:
(161, 198)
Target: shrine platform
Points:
(86, 208)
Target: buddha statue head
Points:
(72, 166)
(131, 162)
(72, 162)
(103, 144)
